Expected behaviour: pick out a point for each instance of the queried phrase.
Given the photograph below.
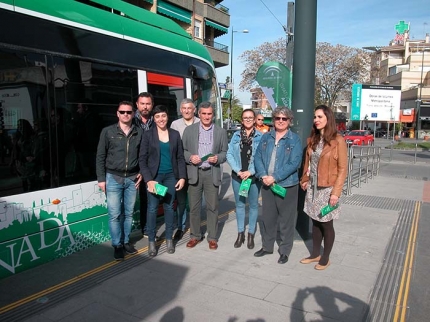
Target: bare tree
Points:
(268, 51)
(336, 67)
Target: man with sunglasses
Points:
(117, 167)
(259, 124)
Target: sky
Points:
(351, 23)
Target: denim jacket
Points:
(233, 152)
(288, 158)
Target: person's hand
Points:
(333, 200)
(138, 180)
(195, 159)
(213, 159)
(102, 186)
(151, 186)
(244, 174)
(180, 184)
(268, 180)
(304, 185)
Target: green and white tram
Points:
(64, 67)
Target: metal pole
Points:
(304, 82)
(231, 81)
(419, 100)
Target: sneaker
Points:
(129, 248)
(118, 253)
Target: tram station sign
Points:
(380, 102)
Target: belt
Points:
(205, 169)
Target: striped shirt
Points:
(205, 143)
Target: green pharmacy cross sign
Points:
(401, 27)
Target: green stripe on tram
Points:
(138, 23)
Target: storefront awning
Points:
(173, 11)
(216, 26)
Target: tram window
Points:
(89, 98)
(168, 91)
(24, 145)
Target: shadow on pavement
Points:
(327, 303)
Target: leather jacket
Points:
(332, 166)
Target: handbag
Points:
(328, 209)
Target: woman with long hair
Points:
(162, 161)
(240, 157)
(324, 173)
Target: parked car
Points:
(380, 133)
(359, 137)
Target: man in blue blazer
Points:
(205, 148)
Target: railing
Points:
(216, 45)
(363, 164)
(222, 8)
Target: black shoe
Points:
(118, 253)
(282, 259)
(262, 252)
(129, 248)
(240, 240)
(178, 235)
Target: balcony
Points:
(218, 52)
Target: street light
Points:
(418, 101)
(230, 107)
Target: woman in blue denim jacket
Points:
(240, 157)
(276, 161)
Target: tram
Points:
(64, 67)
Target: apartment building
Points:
(406, 63)
(204, 20)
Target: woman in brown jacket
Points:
(324, 174)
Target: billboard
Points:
(375, 102)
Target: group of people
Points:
(141, 153)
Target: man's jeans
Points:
(168, 180)
(121, 197)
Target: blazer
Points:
(332, 166)
(149, 158)
(190, 141)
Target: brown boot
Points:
(240, 240)
(250, 241)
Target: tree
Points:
(236, 109)
(269, 51)
(336, 67)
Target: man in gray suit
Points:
(205, 148)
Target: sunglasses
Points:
(278, 118)
(125, 112)
(248, 118)
(260, 119)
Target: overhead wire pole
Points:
(230, 107)
(304, 86)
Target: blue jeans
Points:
(168, 180)
(120, 203)
(253, 194)
(181, 211)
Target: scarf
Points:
(246, 141)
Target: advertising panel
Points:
(375, 102)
